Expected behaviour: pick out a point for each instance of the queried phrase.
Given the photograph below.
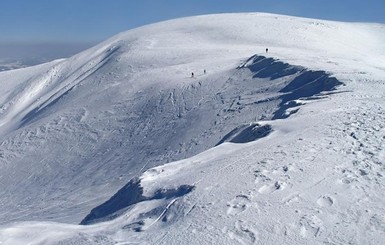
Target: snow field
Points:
(126, 113)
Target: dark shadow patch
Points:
(130, 194)
(306, 84)
(263, 67)
(246, 133)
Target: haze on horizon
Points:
(39, 31)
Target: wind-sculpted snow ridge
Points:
(305, 85)
(41, 91)
(301, 85)
(129, 195)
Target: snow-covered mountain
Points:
(277, 147)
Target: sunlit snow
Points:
(120, 144)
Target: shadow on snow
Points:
(306, 83)
(296, 83)
(130, 194)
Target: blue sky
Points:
(96, 20)
(91, 21)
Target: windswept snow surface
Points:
(306, 119)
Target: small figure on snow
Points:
(267, 50)
(204, 71)
(192, 74)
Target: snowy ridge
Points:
(307, 168)
(44, 89)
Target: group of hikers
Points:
(204, 71)
(192, 73)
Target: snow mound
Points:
(130, 194)
(247, 133)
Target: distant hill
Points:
(19, 55)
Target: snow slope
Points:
(307, 166)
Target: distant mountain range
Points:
(20, 55)
(11, 64)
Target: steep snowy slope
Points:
(74, 131)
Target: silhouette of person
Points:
(267, 50)
(192, 74)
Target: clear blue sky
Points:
(34, 31)
(96, 20)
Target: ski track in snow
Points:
(74, 131)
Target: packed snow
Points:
(188, 131)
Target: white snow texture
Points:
(188, 132)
